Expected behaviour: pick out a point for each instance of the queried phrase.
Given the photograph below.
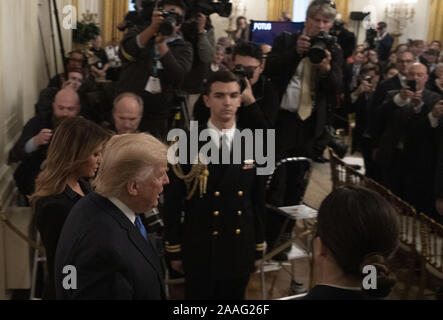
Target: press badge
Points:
(154, 85)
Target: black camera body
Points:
(242, 74)
(412, 84)
(329, 138)
(319, 44)
(172, 20)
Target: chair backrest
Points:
(342, 173)
(288, 184)
(432, 242)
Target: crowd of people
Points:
(216, 228)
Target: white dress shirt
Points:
(124, 208)
(215, 134)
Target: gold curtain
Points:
(114, 12)
(435, 31)
(276, 7)
(343, 8)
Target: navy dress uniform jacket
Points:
(222, 233)
(112, 258)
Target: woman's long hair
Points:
(73, 143)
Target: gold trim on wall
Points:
(343, 8)
(276, 7)
(114, 12)
(435, 31)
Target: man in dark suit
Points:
(307, 91)
(384, 42)
(104, 251)
(154, 66)
(220, 241)
(406, 150)
(30, 149)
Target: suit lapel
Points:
(134, 235)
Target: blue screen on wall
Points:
(267, 31)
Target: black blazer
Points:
(50, 216)
(29, 167)
(384, 47)
(233, 206)
(414, 129)
(282, 64)
(112, 259)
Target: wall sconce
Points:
(400, 12)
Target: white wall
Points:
(23, 75)
(251, 9)
(418, 29)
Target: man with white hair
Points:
(407, 144)
(103, 237)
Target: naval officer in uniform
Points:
(214, 231)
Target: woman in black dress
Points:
(357, 232)
(73, 157)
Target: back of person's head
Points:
(220, 76)
(128, 157)
(248, 49)
(360, 228)
(382, 25)
(325, 7)
(74, 141)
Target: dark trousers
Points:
(294, 137)
(199, 287)
(372, 168)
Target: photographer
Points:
(406, 149)
(259, 98)
(345, 38)
(307, 90)
(384, 42)
(155, 63)
(198, 30)
(361, 101)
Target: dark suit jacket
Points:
(413, 129)
(384, 47)
(282, 64)
(235, 212)
(112, 258)
(29, 164)
(138, 65)
(50, 216)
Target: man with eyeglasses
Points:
(259, 98)
(155, 64)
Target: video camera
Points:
(172, 20)
(223, 8)
(319, 44)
